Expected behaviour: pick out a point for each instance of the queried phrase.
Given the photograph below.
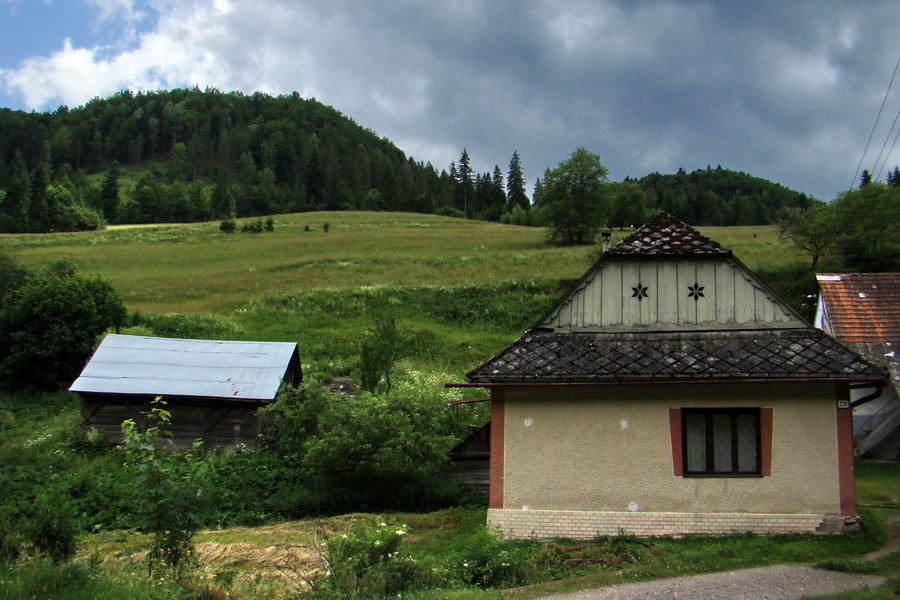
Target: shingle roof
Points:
(862, 307)
(666, 235)
(127, 364)
(786, 355)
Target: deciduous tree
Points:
(574, 199)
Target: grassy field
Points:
(460, 290)
(269, 561)
(196, 268)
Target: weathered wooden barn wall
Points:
(217, 423)
(470, 461)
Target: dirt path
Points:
(764, 583)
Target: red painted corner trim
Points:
(846, 477)
(765, 441)
(675, 437)
(498, 427)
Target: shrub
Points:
(368, 561)
(227, 226)
(488, 561)
(187, 325)
(170, 484)
(447, 211)
(252, 226)
(49, 326)
(9, 541)
(51, 529)
(80, 218)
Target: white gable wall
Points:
(730, 296)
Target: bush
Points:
(252, 226)
(80, 218)
(447, 211)
(49, 326)
(51, 529)
(170, 484)
(368, 561)
(227, 226)
(187, 325)
(488, 561)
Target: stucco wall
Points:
(608, 448)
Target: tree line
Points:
(187, 155)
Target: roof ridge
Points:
(666, 234)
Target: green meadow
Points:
(461, 289)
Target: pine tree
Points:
(18, 194)
(109, 194)
(40, 211)
(515, 184)
(865, 179)
(464, 173)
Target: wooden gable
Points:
(667, 276)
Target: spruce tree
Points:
(515, 184)
(109, 194)
(464, 173)
(865, 179)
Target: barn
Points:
(212, 388)
(670, 391)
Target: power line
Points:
(884, 145)
(861, 158)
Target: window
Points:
(721, 442)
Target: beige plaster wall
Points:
(608, 448)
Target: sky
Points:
(786, 90)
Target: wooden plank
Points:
(649, 305)
(687, 308)
(631, 306)
(744, 299)
(725, 274)
(706, 303)
(611, 295)
(668, 298)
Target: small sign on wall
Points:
(843, 403)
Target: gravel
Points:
(764, 583)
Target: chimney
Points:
(605, 236)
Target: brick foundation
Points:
(544, 524)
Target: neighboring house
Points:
(863, 311)
(212, 389)
(671, 391)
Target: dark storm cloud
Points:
(784, 90)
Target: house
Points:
(862, 310)
(670, 391)
(212, 389)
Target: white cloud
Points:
(784, 90)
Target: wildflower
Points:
(400, 532)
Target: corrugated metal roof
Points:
(862, 307)
(127, 364)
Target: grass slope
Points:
(196, 268)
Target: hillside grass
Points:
(460, 290)
(196, 268)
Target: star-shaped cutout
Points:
(695, 291)
(640, 292)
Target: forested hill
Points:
(268, 154)
(720, 197)
(192, 155)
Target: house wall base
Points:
(546, 524)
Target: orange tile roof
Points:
(861, 307)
